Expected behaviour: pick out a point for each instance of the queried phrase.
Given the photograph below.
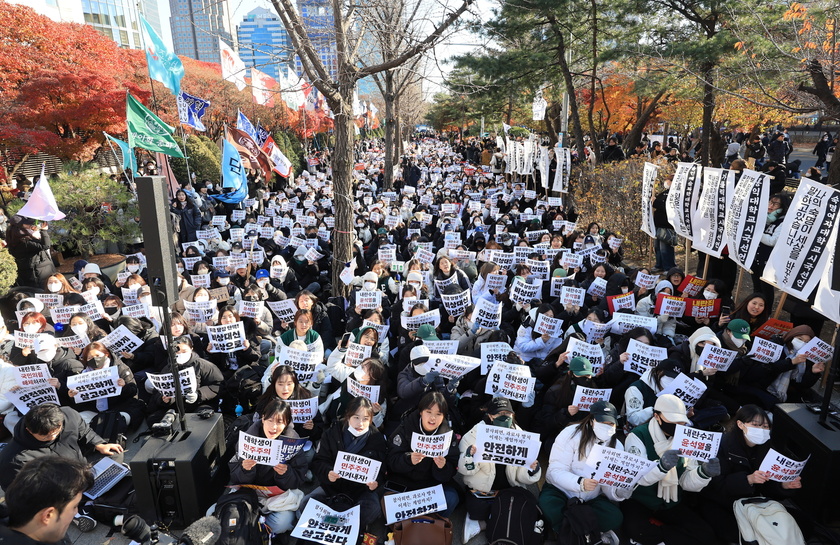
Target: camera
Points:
(166, 424)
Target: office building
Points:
(197, 26)
(264, 43)
(318, 20)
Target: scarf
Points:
(668, 486)
(352, 444)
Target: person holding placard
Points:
(143, 357)
(659, 492)
(554, 406)
(306, 300)
(274, 422)
(614, 375)
(97, 356)
(413, 470)
(485, 479)
(567, 475)
(354, 434)
(665, 325)
(530, 344)
(446, 271)
(282, 282)
(338, 367)
(794, 385)
(742, 449)
(248, 354)
(285, 385)
(675, 275)
(302, 331)
(81, 324)
(602, 271)
(180, 326)
(370, 372)
(306, 271)
(641, 396)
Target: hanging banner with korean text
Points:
(746, 217)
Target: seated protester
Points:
(50, 430)
(614, 375)
(222, 279)
(411, 338)
(486, 478)
(370, 372)
(155, 312)
(445, 273)
(97, 356)
(43, 501)
(384, 282)
(32, 323)
(306, 300)
(554, 411)
(618, 284)
(794, 386)
(302, 331)
(112, 305)
(531, 345)
(413, 470)
(469, 334)
(306, 271)
(143, 356)
(241, 278)
(714, 289)
(374, 317)
(601, 270)
(415, 381)
(355, 434)
(247, 354)
(742, 449)
(480, 288)
(675, 276)
(354, 311)
(180, 326)
(208, 380)
(57, 283)
(200, 295)
(337, 367)
(92, 270)
(615, 256)
(134, 266)
(264, 319)
(654, 513)
(641, 396)
(285, 284)
(275, 423)
(568, 476)
(755, 310)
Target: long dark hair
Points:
(298, 392)
(587, 435)
(741, 310)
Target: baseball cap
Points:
(420, 354)
(580, 367)
(427, 333)
(671, 408)
(739, 329)
(604, 411)
(499, 404)
(381, 231)
(262, 273)
(671, 367)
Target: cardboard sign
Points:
(643, 356)
(616, 468)
(817, 350)
(691, 286)
(164, 384)
(368, 299)
(357, 389)
(598, 288)
(572, 296)
(592, 352)
(685, 388)
(511, 381)
(771, 328)
(93, 385)
(269, 452)
(227, 338)
(28, 376)
(25, 398)
(780, 468)
(413, 503)
(715, 357)
(586, 397)
(356, 468)
(431, 445)
(696, 444)
(765, 351)
(221, 294)
(506, 446)
(453, 367)
(623, 301)
(491, 353)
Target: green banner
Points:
(148, 131)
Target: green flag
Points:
(147, 131)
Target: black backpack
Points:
(245, 386)
(239, 515)
(515, 518)
(579, 526)
(111, 426)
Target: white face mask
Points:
(709, 294)
(94, 290)
(738, 342)
(757, 436)
(180, 270)
(132, 268)
(603, 431)
(47, 354)
(201, 298)
(54, 287)
(146, 301)
(354, 432)
(182, 357)
(665, 381)
(421, 369)
(797, 344)
(134, 286)
(31, 328)
(370, 286)
(624, 289)
(262, 282)
(79, 329)
(359, 374)
(224, 281)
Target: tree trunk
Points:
(708, 112)
(342, 170)
(596, 147)
(574, 112)
(390, 148)
(635, 135)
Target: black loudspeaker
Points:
(177, 478)
(153, 200)
(797, 433)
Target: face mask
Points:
(132, 268)
(421, 369)
(133, 287)
(738, 342)
(757, 436)
(201, 298)
(202, 271)
(603, 431)
(146, 301)
(224, 281)
(262, 282)
(624, 289)
(797, 345)
(98, 362)
(359, 374)
(670, 428)
(182, 357)
(370, 286)
(709, 294)
(46, 355)
(79, 329)
(54, 287)
(699, 349)
(94, 290)
(32, 328)
(180, 270)
(504, 421)
(665, 381)
(356, 433)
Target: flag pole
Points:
(186, 157)
(114, 151)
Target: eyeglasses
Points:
(276, 423)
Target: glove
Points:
(710, 469)
(453, 385)
(319, 378)
(430, 377)
(191, 398)
(670, 459)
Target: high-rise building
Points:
(318, 20)
(197, 26)
(264, 43)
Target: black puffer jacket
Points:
(333, 441)
(264, 475)
(426, 473)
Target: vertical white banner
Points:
(648, 189)
(746, 217)
(710, 217)
(682, 198)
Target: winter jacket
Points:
(264, 475)
(483, 475)
(426, 473)
(331, 443)
(566, 466)
(32, 255)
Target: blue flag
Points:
(244, 124)
(164, 65)
(262, 134)
(128, 158)
(233, 175)
(191, 110)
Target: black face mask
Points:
(699, 349)
(669, 428)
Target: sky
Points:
(457, 44)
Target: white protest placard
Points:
(357, 389)
(682, 198)
(715, 357)
(431, 445)
(226, 338)
(303, 362)
(284, 310)
(250, 309)
(164, 384)
(557, 284)
(511, 381)
(356, 354)
(506, 446)
(413, 323)
(592, 352)
(73, 341)
(623, 301)
(491, 353)
(96, 384)
(303, 410)
(413, 503)
(697, 444)
(709, 219)
(424, 256)
(669, 305)
(27, 376)
(368, 299)
(643, 356)
(523, 293)
(200, 311)
(585, 397)
(495, 281)
(25, 398)
(269, 452)
(346, 275)
(685, 388)
(122, 340)
(50, 300)
(598, 287)
(572, 296)
(546, 325)
(441, 347)
(312, 255)
(539, 268)
(356, 468)
(647, 281)
(622, 322)
(200, 280)
(571, 261)
(381, 329)
(617, 468)
(453, 367)
(456, 303)
(746, 218)
(765, 351)
(93, 310)
(648, 191)
(780, 468)
(594, 331)
(136, 311)
(817, 350)
(61, 315)
(24, 340)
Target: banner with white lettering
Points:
(506, 446)
(746, 218)
(827, 301)
(431, 445)
(226, 338)
(413, 503)
(710, 217)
